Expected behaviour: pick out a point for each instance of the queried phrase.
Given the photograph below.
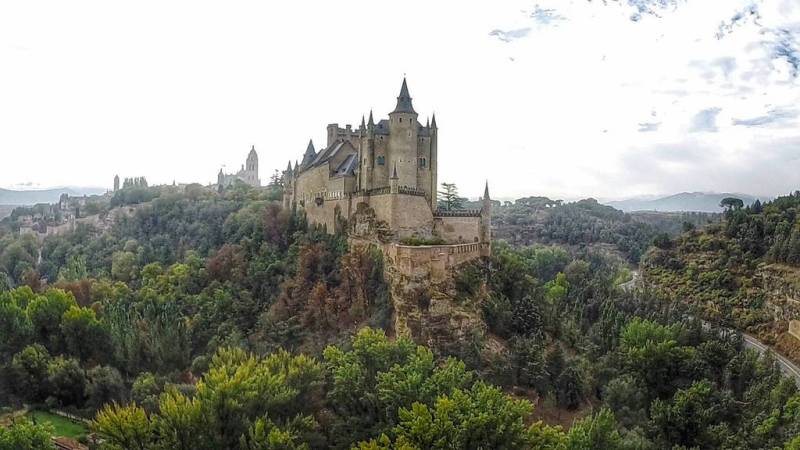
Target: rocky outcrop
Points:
(781, 287)
(427, 311)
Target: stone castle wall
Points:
(431, 260)
(406, 215)
(463, 229)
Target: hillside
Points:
(31, 197)
(685, 201)
(742, 272)
(586, 222)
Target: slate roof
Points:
(326, 154)
(404, 100)
(348, 166)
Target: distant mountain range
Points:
(32, 197)
(685, 201)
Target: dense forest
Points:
(207, 320)
(587, 222)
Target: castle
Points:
(378, 182)
(248, 174)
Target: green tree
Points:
(29, 372)
(67, 380)
(448, 197)
(373, 380)
(16, 330)
(598, 431)
(25, 435)
(46, 312)
(688, 419)
(105, 385)
(124, 427)
(478, 418)
(123, 266)
(84, 335)
(731, 204)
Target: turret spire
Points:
(433, 121)
(486, 191)
(310, 153)
(362, 122)
(404, 100)
(371, 122)
(394, 171)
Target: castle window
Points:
(381, 160)
(423, 162)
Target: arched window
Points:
(423, 162)
(381, 160)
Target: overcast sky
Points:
(560, 98)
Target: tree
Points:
(595, 432)
(105, 386)
(478, 418)
(448, 196)
(84, 334)
(687, 419)
(377, 377)
(67, 381)
(45, 312)
(15, 328)
(123, 266)
(5, 282)
(124, 427)
(25, 435)
(731, 204)
(29, 372)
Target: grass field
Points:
(62, 426)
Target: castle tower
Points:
(116, 183)
(367, 155)
(403, 131)
(252, 168)
(434, 163)
(486, 221)
(288, 181)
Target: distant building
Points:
(247, 174)
(116, 183)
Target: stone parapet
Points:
(433, 260)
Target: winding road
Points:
(787, 367)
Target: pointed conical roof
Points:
(433, 121)
(309, 154)
(289, 167)
(486, 191)
(371, 121)
(404, 100)
(363, 124)
(252, 150)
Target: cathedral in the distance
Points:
(248, 174)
